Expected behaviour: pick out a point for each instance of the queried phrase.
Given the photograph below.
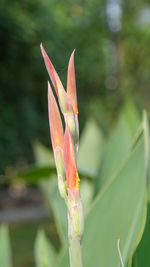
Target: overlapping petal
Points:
(56, 128)
(71, 83)
(70, 162)
(63, 97)
(64, 145)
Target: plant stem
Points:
(75, 251)
(75, 227)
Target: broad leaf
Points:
(117, 213)
(33, 174)
(142, 255)
(119, 142)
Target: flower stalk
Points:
(65, 148)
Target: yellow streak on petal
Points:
(77, 181)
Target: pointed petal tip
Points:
(42, 50)
(72, 55)
(41, 47)
(73, 52)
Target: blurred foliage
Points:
(112, 60)
(112, 63)
(22, 237)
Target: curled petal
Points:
(71, 83)
(72, 177)
(56, 128)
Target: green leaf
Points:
(45, 255)
(43, 168)
(32, 174)
(5, 251)
(118, 212)
(119, 142)
(147, 152)
(90, 149)
(142, 256)
(36, 173)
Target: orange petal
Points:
(56, 128)
(71, 83)
(70, 162)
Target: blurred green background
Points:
(112, 41)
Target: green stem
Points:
(75, 251)
(75, 227)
